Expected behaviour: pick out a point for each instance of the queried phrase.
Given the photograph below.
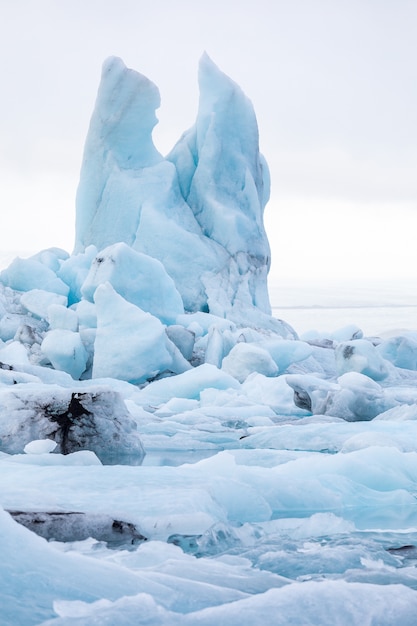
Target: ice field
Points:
(179, 443)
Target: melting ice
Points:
(171, 453)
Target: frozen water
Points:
(219, 166)
(137, 277)
(66, 351)
(360, 355)
(37, 302)
(200, 211)
(28, 274)
(120, 351)
(400, 350)
(61, 317)
(280, 474)
(318, 603)
(40, 446)
(245, 358)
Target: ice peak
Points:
(125, 115)
(212, 80)
(207, 66)
(200, 210)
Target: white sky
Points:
(334, 86)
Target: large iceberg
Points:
(183, 456)
(200, 210)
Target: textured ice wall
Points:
(200, 211)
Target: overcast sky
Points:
(333, 83)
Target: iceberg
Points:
(170, 452)
(200, 210)
(119, 352)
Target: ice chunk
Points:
(311, 393)
(66, 351)
(9, 375)
(73, 526)
(285, 352)
(95, 419)
(137, 277)
(183, 338)
(245, 358)
(9, 326)
(214, 351)
(51, 257)
(360, 398)
(361, 441)
(316, 603)
(273, 392)
(81, 458)
(30, 333)
(325, 434)
(34, 574)
(40, 446)
(401, 413)
(27, 274)
(177, 405)
(86, 312)
(187, 385)
(37, 301)
(401, 351)
(347, 333)
(73, 271)
(201, 323)
(355, 397)
(360, 356)
(61, 317)
(130, 344)
(14, 353)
